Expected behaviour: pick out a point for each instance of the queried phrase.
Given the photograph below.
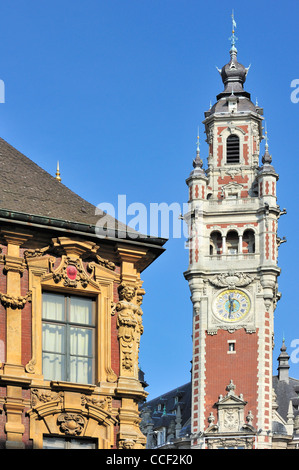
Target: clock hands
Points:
(231, 305)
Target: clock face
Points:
(232, 305)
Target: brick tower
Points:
(232, 272)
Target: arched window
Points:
(248, 241)
(232, 149)
(232, 242)
(215, 243)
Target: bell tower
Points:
(232, 272)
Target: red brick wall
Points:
(221, 367)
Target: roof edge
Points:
(81, 228)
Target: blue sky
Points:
(116, 89)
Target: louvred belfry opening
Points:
(233, 149)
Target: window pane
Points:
(80, 341)
(53, 366)
(53, 337)
(81, 444)
(53, 307)
(53, 443)
(81, 310)
(81, 370)
(66, 443)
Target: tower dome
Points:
(233, 75)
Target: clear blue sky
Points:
(115, 90)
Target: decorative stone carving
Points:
(130, 328)
(126, 444)
(232, 280)
(36, 253)
(71, 272)
(103, 262)
(231, 411)
(14, 264)
(104, 403)
(10, 301)
(237, 443)
(44, 396)
(71, 424)
(249, 418)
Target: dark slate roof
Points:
(278, 428)
(28, 193)
(286, 391)
(168, 399)
(244, 105)
(27, 188)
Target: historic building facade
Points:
(232, 274)
(71, 316)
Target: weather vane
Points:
(233, 38)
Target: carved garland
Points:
(9, 301)
(232, 280)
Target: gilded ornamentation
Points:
(71, 424)
(10, 301)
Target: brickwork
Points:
(221, 367)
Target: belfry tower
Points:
(232, 272)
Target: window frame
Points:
(68, 324)
(66, 440)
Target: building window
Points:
(232, 242)
(233, 149)
(215, 243)
(248, 241)
(231, 347)
(68, 338)
(161, 434)
(52, 442)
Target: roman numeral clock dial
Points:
(232, 305)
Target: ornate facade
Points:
(71, 316)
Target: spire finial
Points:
(267, 157)
(198, 161)
(57, 173)
(233, 38)
(266, 137)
